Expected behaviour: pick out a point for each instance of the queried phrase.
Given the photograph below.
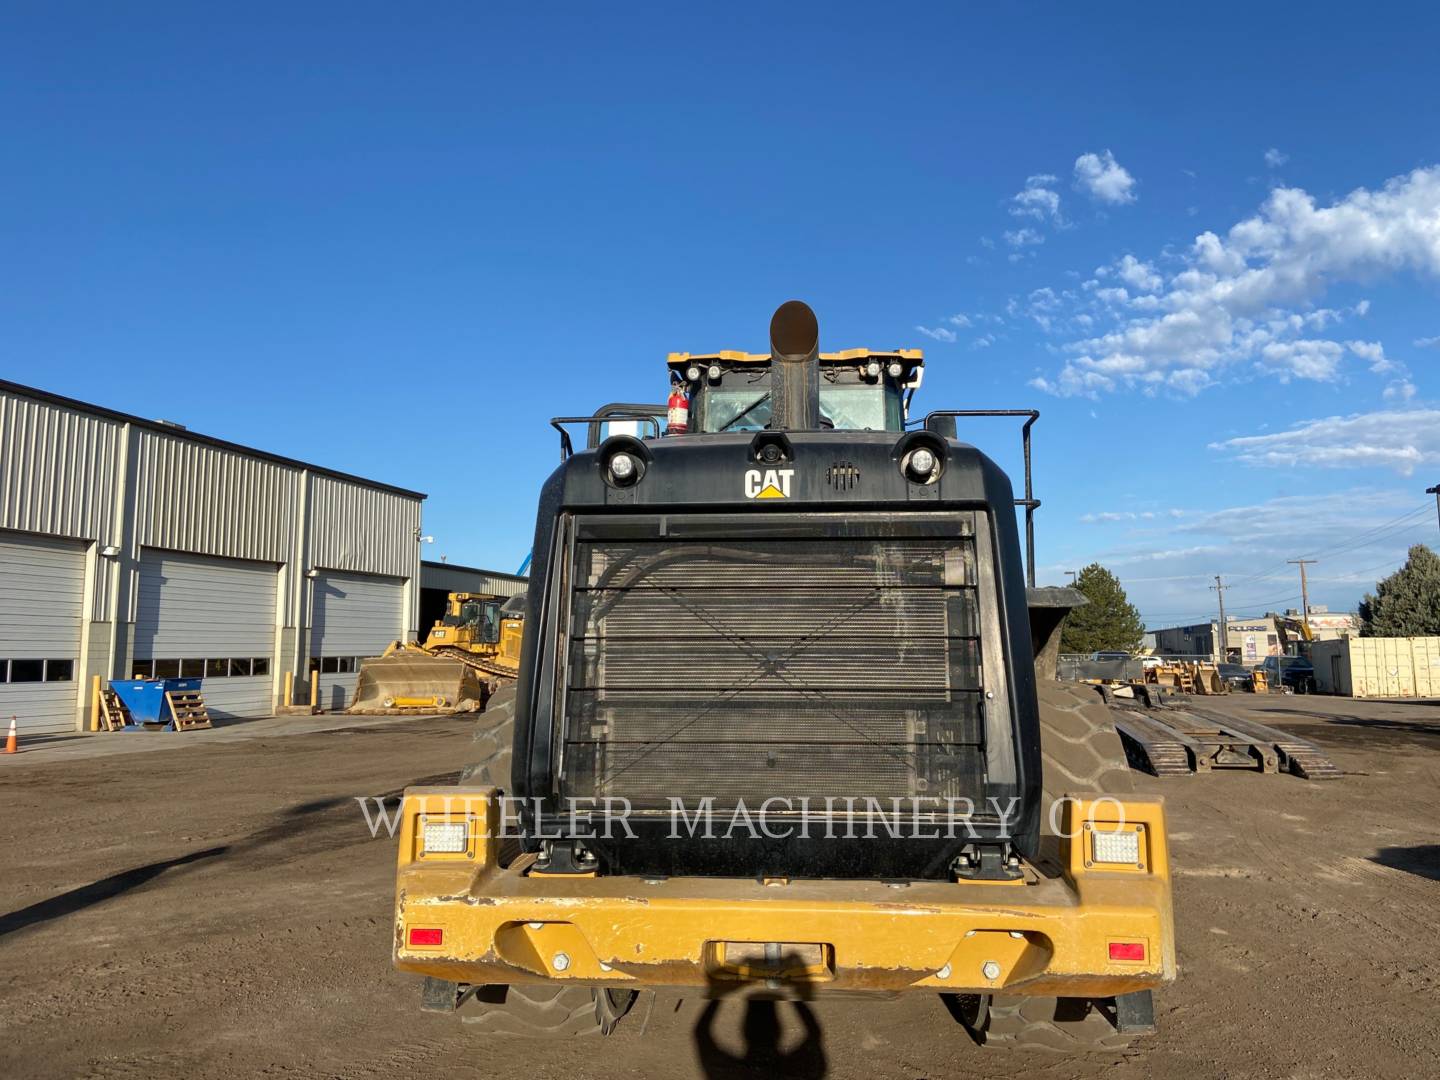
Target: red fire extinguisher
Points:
(677, 416)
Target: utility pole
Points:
(1223, 638)
(1073, 573)
(1304, 588)
(1436, 492)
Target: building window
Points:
(213, 668)
(23, 671)
(27, 670)
(333, 665)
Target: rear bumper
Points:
(483, 924)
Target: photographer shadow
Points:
(763, 1028)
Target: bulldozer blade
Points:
(410, 681)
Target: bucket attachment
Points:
(411, 680)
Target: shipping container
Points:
(1378, 667)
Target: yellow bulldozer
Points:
(468, 654)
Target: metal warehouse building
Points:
(134, 547)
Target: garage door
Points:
(209, 617)
(40, 609)
(356, 615)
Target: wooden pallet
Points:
(113, 713)
(187, 709)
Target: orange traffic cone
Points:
(11, 742)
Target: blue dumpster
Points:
(145, 699)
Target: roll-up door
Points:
(355, 616)
(42, 582)
(211, 617)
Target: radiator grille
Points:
(842, 667)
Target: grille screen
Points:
(748, 668)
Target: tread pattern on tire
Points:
(494, 737)
(539, 1011)
(1053, 1025)
(1079, 746)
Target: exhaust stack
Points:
(794, 368)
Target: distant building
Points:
(1330, 626)
(1248, 641)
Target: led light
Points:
(693, 373)
(622, 468)
(873, 369)
(1116, 847)
(445, 837)
(895, 370)
(426, 935)
(922, 462)
(714, 373)
(1127, 950)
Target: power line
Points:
(1348, 544)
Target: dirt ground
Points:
(222, 911)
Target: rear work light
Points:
(433, 935)
(445, 837)
(1116, 848)
(1127, 950)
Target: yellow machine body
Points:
(461, 916)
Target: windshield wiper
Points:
(744, 412)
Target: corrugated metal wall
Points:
(57, 469)
(199, 498)
(63, 471)
(1390, 667)
(470, 579)
(387, 545)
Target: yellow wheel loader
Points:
(778, 733)
(468, 654)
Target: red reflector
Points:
(433, 935)
(1119, 950)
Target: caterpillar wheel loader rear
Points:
(778, 733)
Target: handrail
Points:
(567, 448)
(1029, 502)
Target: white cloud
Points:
(939, 333)
(1138, 275)
(1024, 237)
(1374, 352)
(1401, 391)
(1244, 300)
(1109, 516)
(1427, 342)
(1104, 178)
(1306, 358)
(984, 341)
(961, 320)
(1401, 440)
(1275, 158)
(1037, 200)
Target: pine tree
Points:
(1407, 603)
(1108, 621)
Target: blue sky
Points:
(397, 239)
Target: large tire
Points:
(548, 1011)
(1079, 746)
(1051, 1025)
(494, 739)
